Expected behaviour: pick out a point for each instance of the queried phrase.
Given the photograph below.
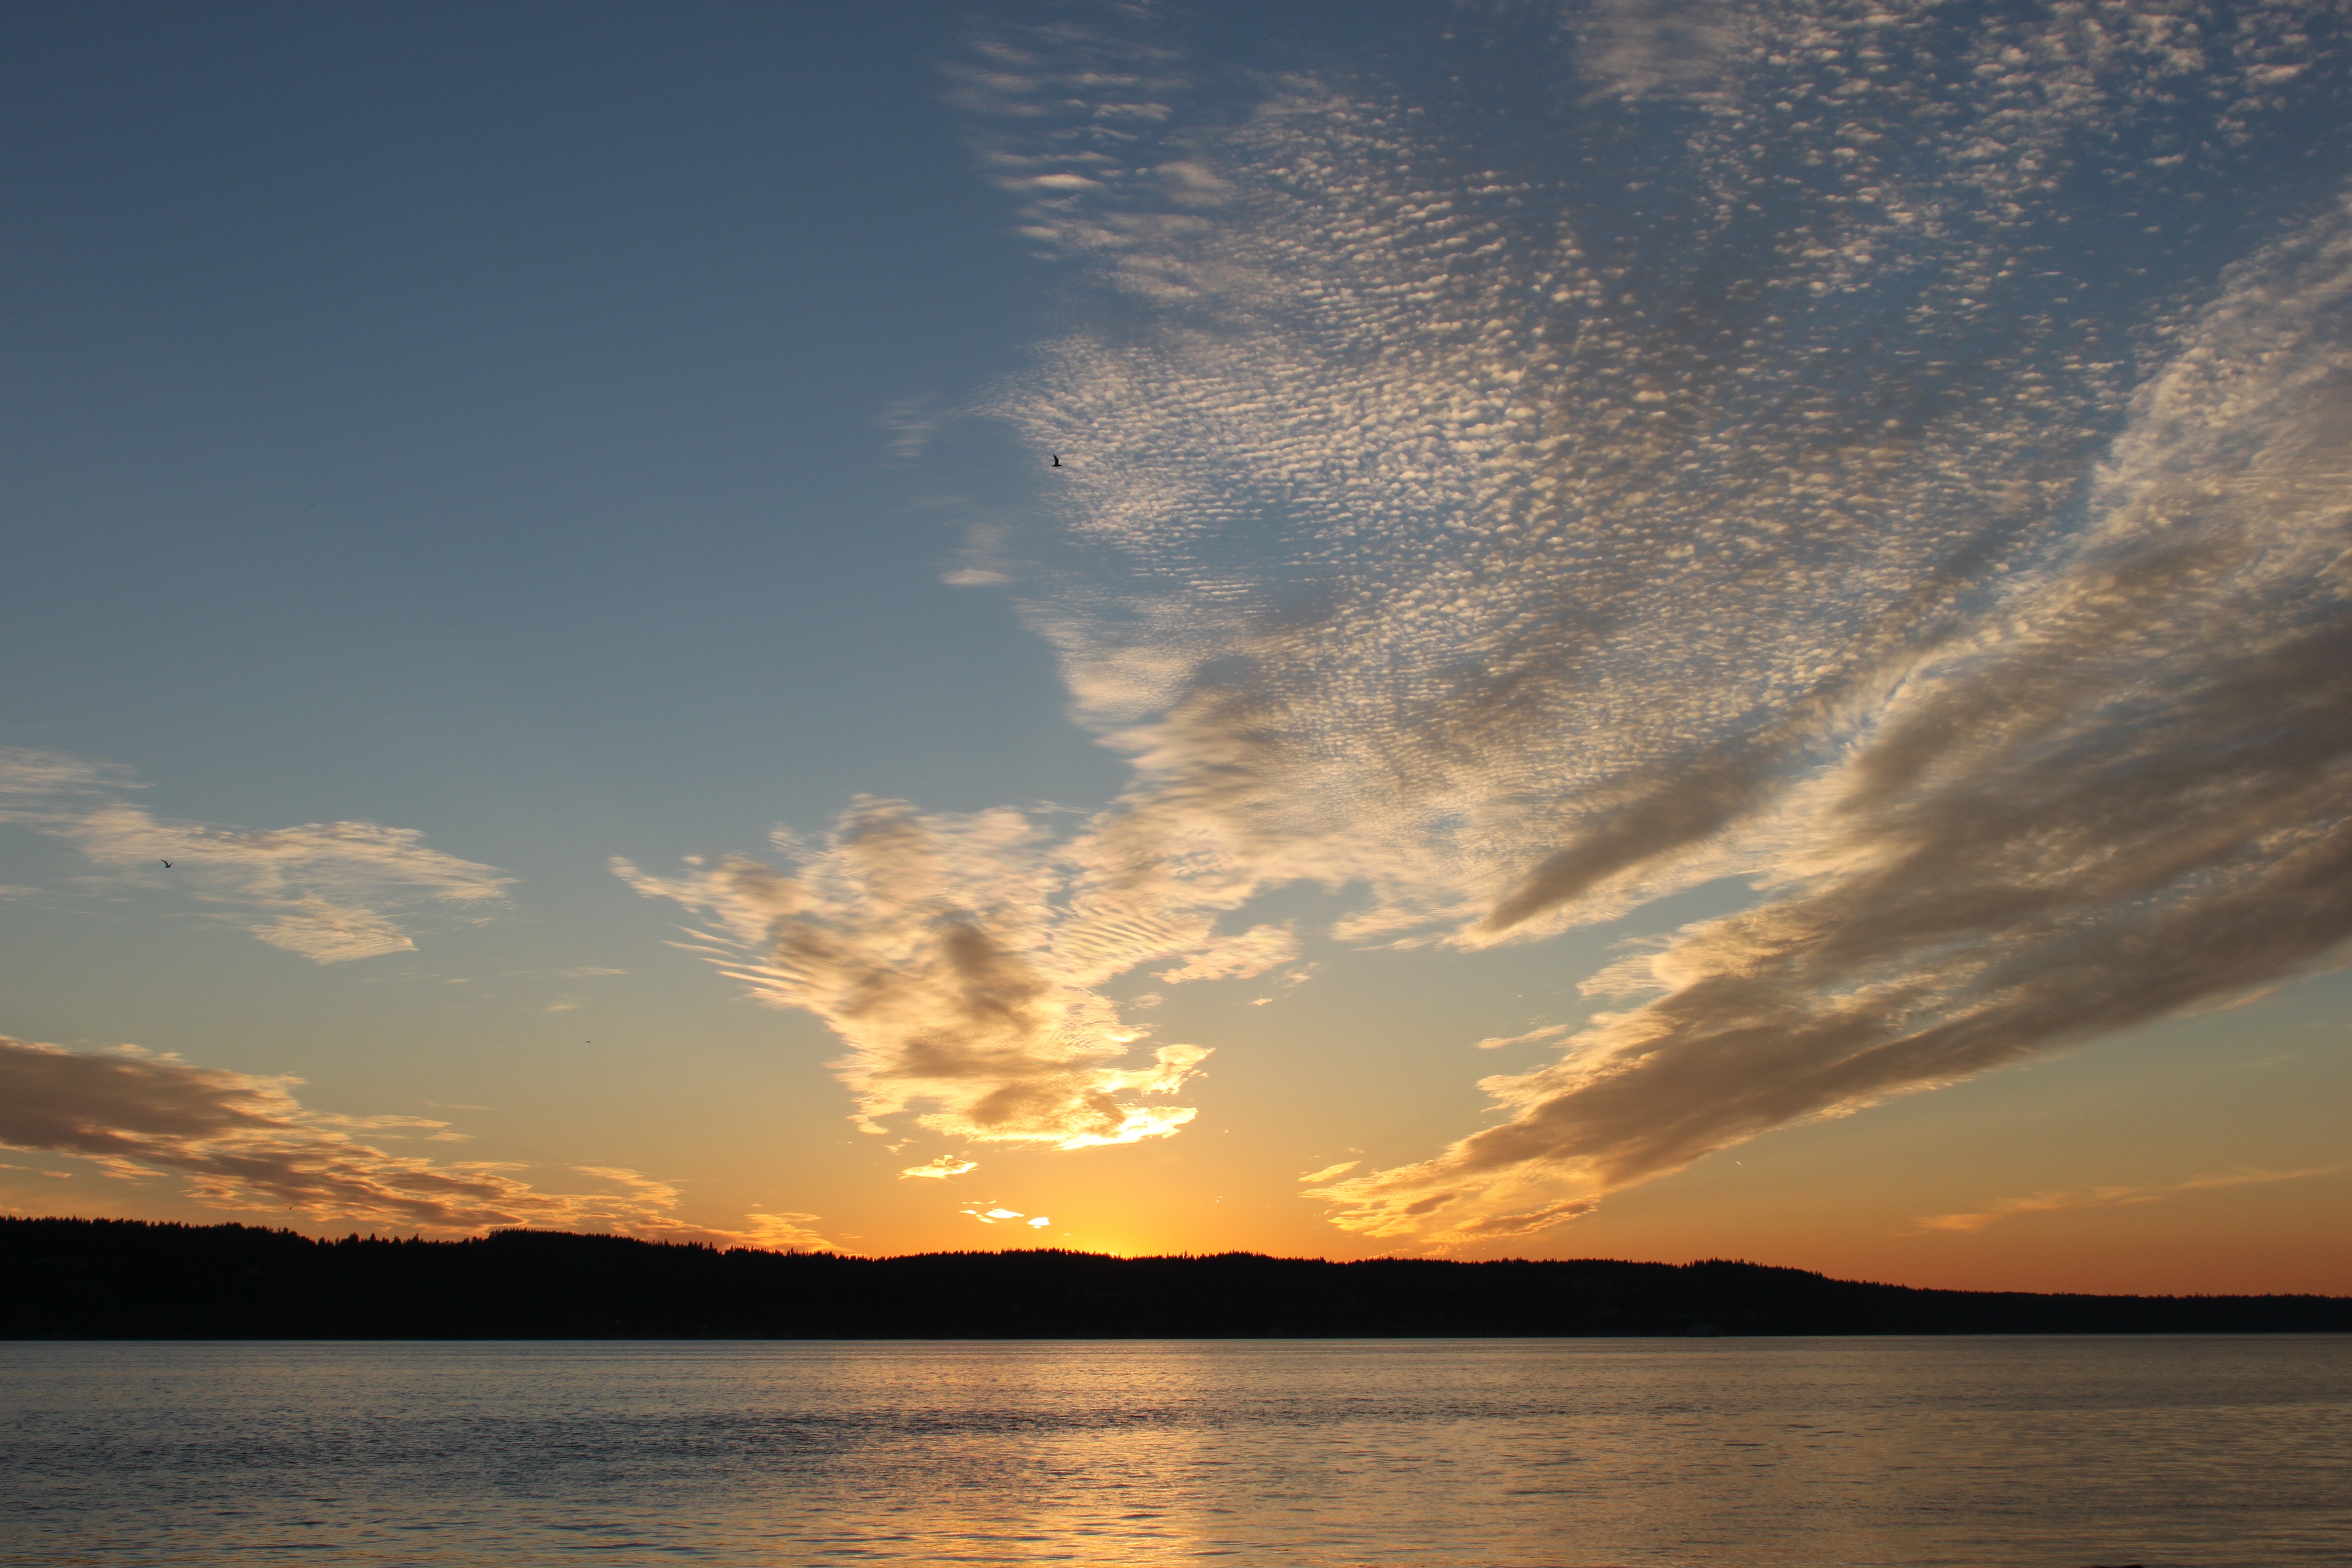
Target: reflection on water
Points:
(2062, 1452)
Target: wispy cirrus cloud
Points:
(2112, 1197)
(244, 1143)
(331, 891)
(1548, 1031)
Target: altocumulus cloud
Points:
(242, 1142)
(329, 892)
(939, 947)
(2124, 794)
(1750, 455)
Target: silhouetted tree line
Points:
(83, 1279)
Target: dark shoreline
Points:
(116, 1280)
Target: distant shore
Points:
(80, 1279)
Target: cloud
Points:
(1431, 555)
(983, 556)
(2111, 1196)
(1520, 549)
(955, 957)
(1549, 1032)
(785, 1232)
(2122, 796)
(1328, 1172)
(327, 892)
(1077, 123)
(944, 1166)
(1251, 953)
(911, 423)
(1645, 47)
(244, 1143)
(1762, 461)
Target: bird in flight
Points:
(167, 865)
(1058, 459)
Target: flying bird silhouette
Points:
(167, 865)
(1058, 459)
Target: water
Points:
(1513, 1454)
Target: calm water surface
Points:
(1515, 1454)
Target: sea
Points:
(1973, 1452)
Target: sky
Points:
(1640, 628)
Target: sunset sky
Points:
(1666, 629)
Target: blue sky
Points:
(465, 349)
(1642, 534)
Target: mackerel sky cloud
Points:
(1736, 456)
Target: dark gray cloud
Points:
(244, 1143)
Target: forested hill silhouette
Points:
(81, 1278)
